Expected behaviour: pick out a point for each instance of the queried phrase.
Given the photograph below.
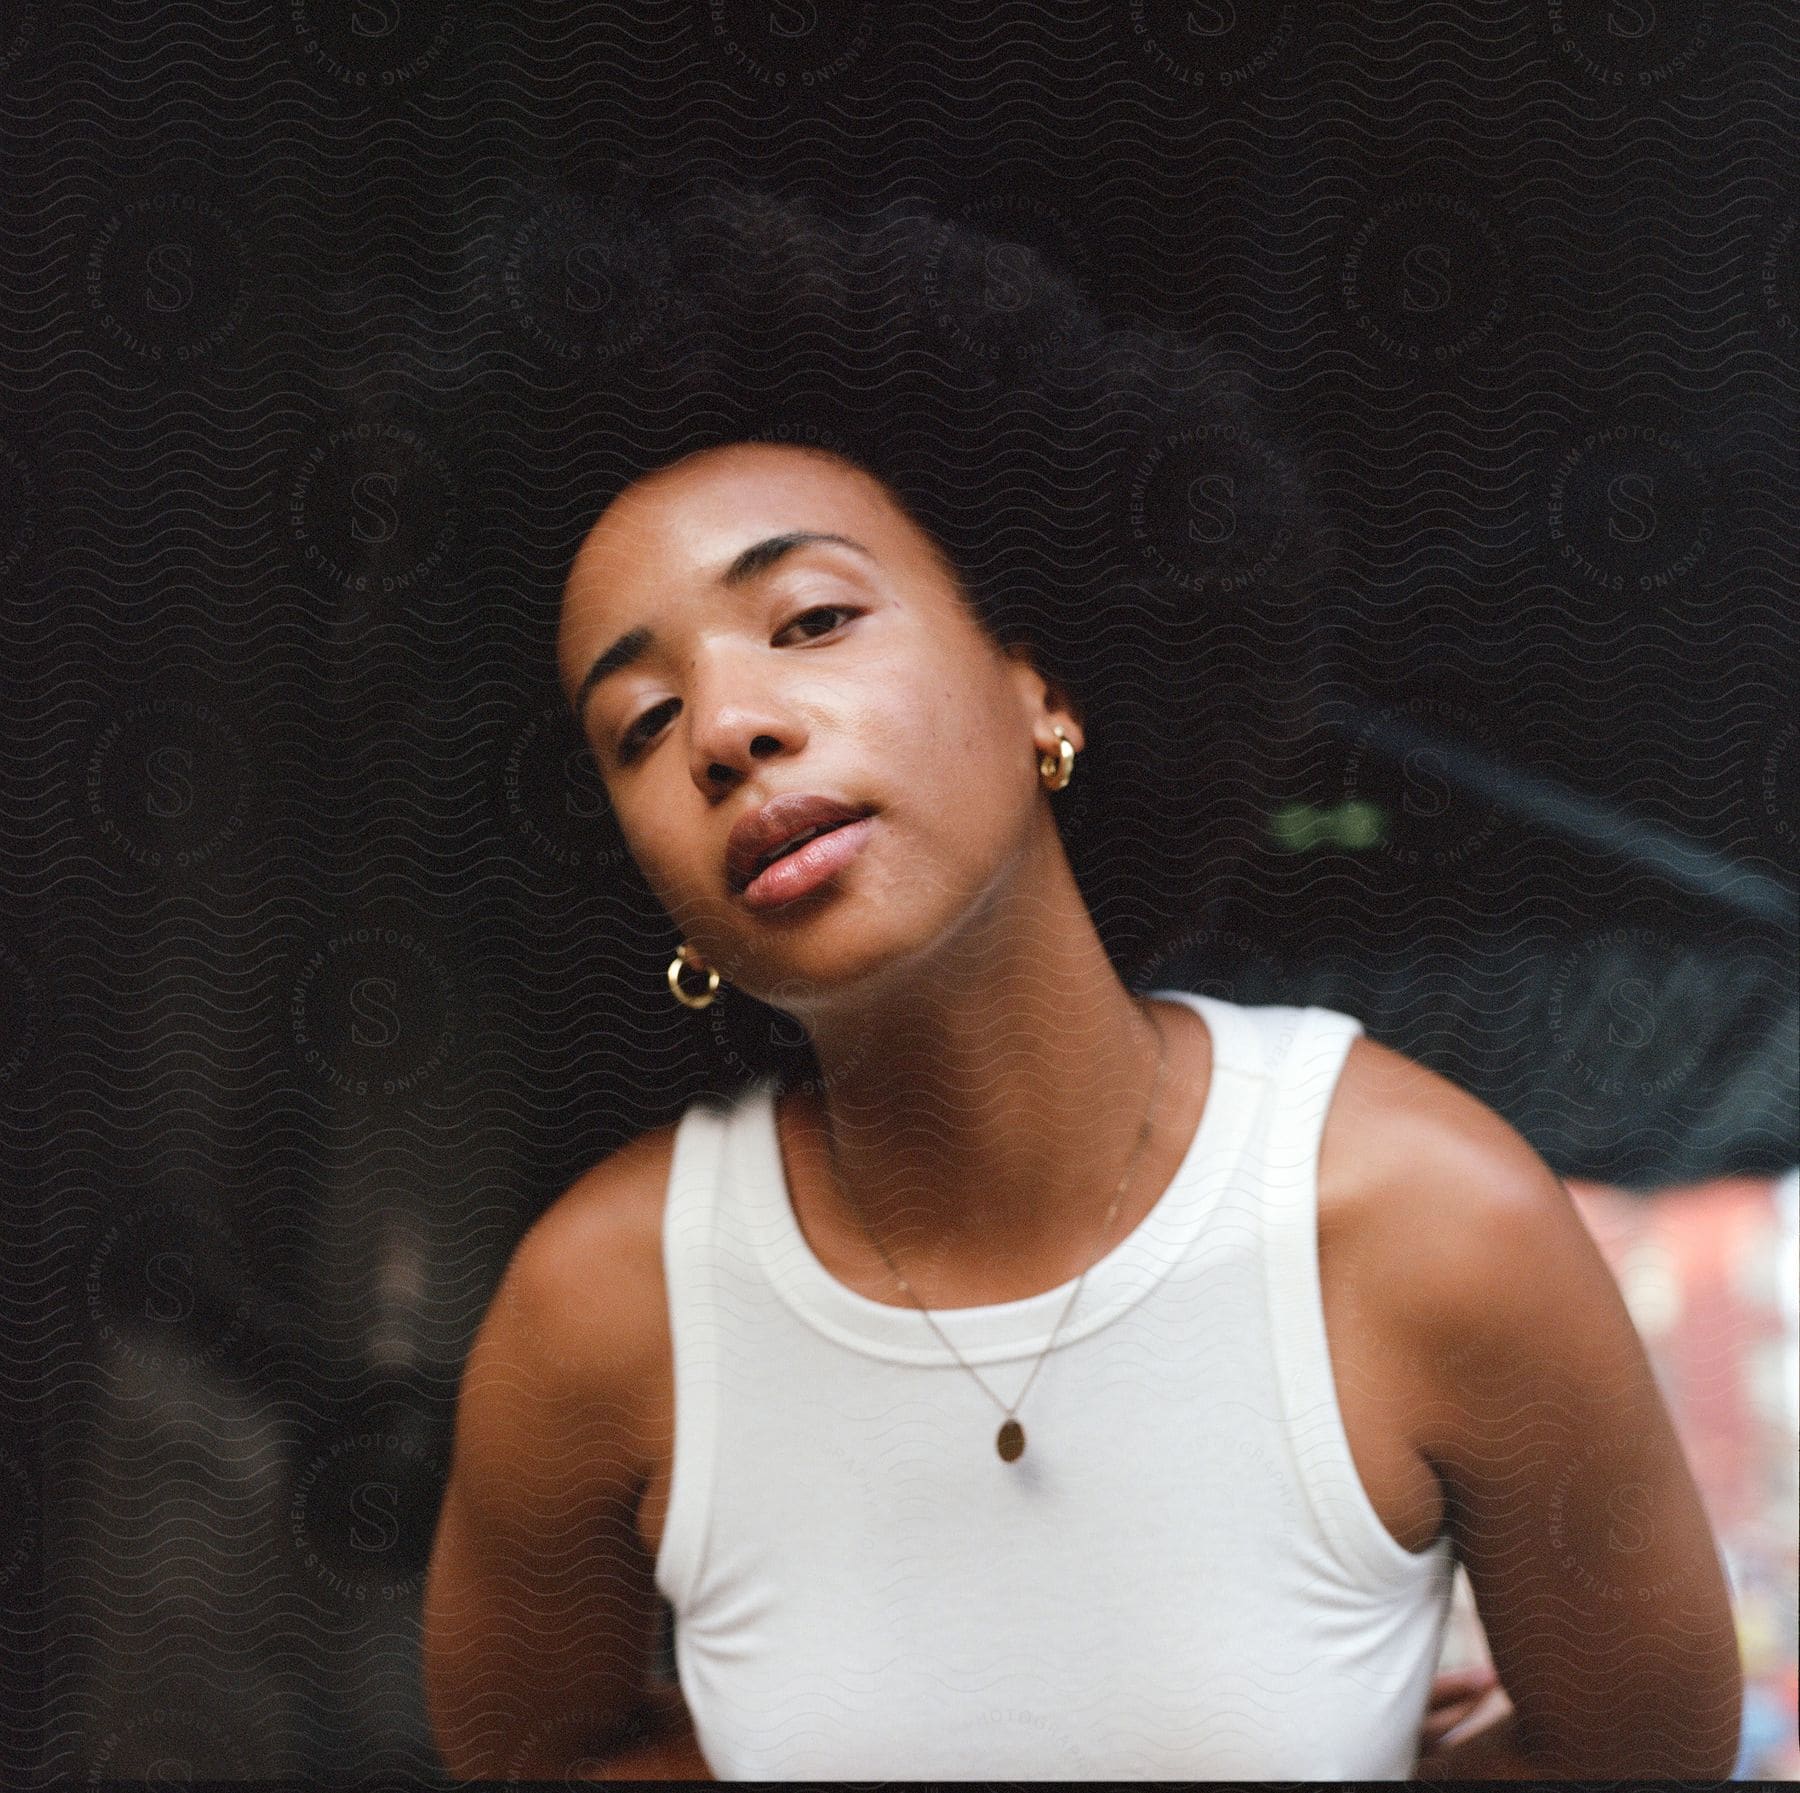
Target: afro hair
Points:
(1112, 496)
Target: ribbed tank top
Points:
(1182, 1578)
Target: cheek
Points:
(980, 733)
(943, 753)
(924, 748)
(666, 861)
(954, 717)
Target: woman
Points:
(1066, 1381)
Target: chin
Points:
(818, 952)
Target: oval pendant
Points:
(1011, 1442)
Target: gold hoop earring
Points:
(684, 955)
(1056, 769)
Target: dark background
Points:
(316, 993)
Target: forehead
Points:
(689, 520)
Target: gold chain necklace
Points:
(1010, 1440)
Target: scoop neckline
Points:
(995, 1331)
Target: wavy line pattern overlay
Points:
(329, 974)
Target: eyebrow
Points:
(755, 560)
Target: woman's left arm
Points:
(1593, 1565)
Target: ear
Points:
(1044, 697)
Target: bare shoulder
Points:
(1432, 1195)
(1471, 1221)
(1393, 1118)
(617, 1201)
(574, 1335)
(585, 1283)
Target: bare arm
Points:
(667, 1752)
(1593, 1564)
(540, 1604)
(1486, 1748)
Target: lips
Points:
(781, 824)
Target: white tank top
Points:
(1182, 1578)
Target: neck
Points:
(976, 1115)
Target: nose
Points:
(736, 724)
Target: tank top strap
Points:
(1313, 1045)
(692, 1267)
(1237, 1043)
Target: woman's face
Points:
(852, 671)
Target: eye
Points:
(818, 610)
(631, 743)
